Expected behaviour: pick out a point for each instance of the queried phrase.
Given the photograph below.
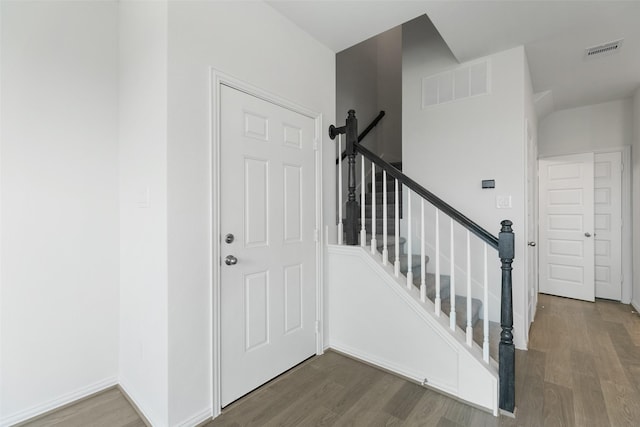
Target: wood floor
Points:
(583, 366)
(107, 409)
(582, 369)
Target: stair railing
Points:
(364, 133)
(504, 244)
(333, 131)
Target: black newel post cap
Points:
(506, 249)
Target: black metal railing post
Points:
(351, 225)
(507, 352)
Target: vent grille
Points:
(603, 49)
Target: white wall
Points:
(588, 128)
(635, 196)
(251, 42)
(59, 204)
(369, 79)
(356, 87)
(450, 148)
(143, 206)
(389, 90)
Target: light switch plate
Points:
(503, 202)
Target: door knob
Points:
(587, 234)
(532, 244)
(230, 260)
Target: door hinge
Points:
(315, 144)
(316, 235)
(317, 326)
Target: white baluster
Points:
(423, 264)
(452, 286)
(396, 262)
(374, 243)
(469, 326)
(363, 214)
(409, 238)
(438, 300)
(340, 227)
(485, 305)
(385, 237)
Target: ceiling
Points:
(555, 35)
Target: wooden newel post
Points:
(507, 352)
(351, 226)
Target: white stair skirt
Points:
(409, 339)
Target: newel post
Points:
(350, 130)
(351, 226)
(507, 352)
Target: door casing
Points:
(218, 79)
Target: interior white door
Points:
(567, 226)
(608, 225)
(268, 272)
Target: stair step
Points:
(461, 310)
(445, 282)
(391, 195)
(391, 225)
(404, 263)
(391, 207)
(391, 242)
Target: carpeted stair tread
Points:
(431, 285)
(404, 263)
(391, 225)
(391, 242)
(391, 214)
(391, 196)
(461, 310)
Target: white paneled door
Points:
(608, 225)
(567, 226)
(267, 220)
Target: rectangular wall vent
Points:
(466, 81)
(601, 50)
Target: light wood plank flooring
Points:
(107, 409)
(582, 369)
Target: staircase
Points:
(363, 286)
(445, 280)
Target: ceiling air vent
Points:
(603, 49)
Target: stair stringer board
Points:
(372, 316)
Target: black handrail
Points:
(476, 229)
(364, 133)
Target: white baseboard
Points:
(129, 392)
(198, 419)
(388, 366)
(58, 402)
(635, 305)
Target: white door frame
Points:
(528, 316)
(218, 79)
(627, 238)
